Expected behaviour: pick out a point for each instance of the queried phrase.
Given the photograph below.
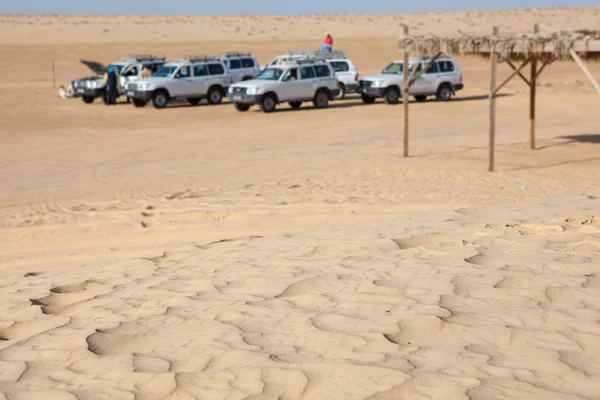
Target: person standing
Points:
(112, 81)
(327, 45)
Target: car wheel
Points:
(88, 99)
(444, 93)
(342, 92)
(421, 98)
(215, 96)
(295, 104)
(139, 103)
(321, 99)
(160, 99)
(242, 107)
(268, 103)
(392, 95)
(368, 99)
(194, 101)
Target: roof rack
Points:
(300, 61)
(143, 57)
(230, 54)
(317, 53)
(193, 59)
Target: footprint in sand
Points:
(422, 240)
(63, 297)
(488, 259)
(19, 330)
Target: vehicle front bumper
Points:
(371, 91)
(145, 95)
(89, 92)
(244, 98)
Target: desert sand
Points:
(200, 253)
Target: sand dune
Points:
(200, 253)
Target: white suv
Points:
(191, 78)
(343, 67)
(293, 82)
(127, 69)
(242, 66)
(442, 80)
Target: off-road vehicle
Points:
(293, 82)
(192, 78)
(242, 66)
(442, 79)
(128, 69)
(342, 65)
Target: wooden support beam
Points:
(515, 72)
(546, 63)
(532, 89)
(424, 69)
(585, 70)
(494, 64)
(411, 77)
(518, 73)
(405, 95)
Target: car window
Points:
(270, 74)
(394, 68)
(248, 63)
(184, 72)
(446, 66)
(340, 66)
(216, 69)
(290, 75)
(165, 71)
(133, 71)
(434, 69)
(307, 72)
(200, 70)
(235, 64)
(322, 71)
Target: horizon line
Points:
(300, 14)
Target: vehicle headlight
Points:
(378, 83)
(230, 90)
(252, 90)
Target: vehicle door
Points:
(251, 68)
(129, 74)
(292, 84)
(218, 75)
(201, 79)
(419, 86)
(449, 72)
(182, 82)
(343, 72)
(429, 81)
(325, 76)
(235, 67)
(310, 82)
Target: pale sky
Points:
(225, 7)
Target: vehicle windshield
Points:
(394, 68)
(117, 67)
(270, 74)
(165, 71)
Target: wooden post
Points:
(405, 95)
(53, 75)
(532, 88)
(494, 64)
(585, 70)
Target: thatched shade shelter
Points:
(537, 49)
